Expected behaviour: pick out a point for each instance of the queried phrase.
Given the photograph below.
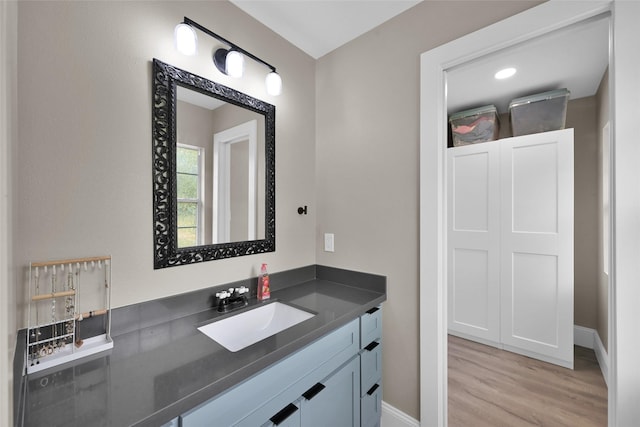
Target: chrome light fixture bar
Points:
(229, 61)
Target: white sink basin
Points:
(249, 327)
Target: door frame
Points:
(527, 25)
(221, 215)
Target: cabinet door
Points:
(474, 241)
(537, 245)
(371, 406)
(335, 401)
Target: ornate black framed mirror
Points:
(213, 170)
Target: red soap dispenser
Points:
(264, 292)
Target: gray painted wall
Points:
(367, 146)
(84, 149)
(581, 115)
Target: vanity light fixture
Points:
(505, 73)
(186, 39)
(229, 61)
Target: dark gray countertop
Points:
(156, 373)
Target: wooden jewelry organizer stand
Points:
(56, 311)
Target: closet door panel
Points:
(537, 245)
(473, 238)
(471, 288)
(470, 190)
(534, 187)
(534, 290)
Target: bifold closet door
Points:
(537, 245)
(473, 242)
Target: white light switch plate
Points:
(328, 242)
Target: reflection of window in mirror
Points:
(190, 194)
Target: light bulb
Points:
(186, 39)
(235, 63)
(273, 83)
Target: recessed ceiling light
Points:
(505, 73)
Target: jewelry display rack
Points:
(56, 310)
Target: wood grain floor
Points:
(489, 387)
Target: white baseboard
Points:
(589, 338)
(583, 337)
(393, 417)
(603, 358)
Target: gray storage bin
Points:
(542, 112)
(476, 125)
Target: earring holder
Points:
(52, 343)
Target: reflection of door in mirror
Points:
(234, 183)
(189, 190)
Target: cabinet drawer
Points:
(370, 366)
(371, 406)
(370, 326)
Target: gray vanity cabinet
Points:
(335, 381)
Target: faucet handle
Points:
(222, 295)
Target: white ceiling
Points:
(319, 26)
(575, 58)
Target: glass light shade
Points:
(273, 83)
(235, 63)
(186, 39)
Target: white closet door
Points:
(473, 242)
(537, 246)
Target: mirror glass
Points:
(214, 155)
(219, 170)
